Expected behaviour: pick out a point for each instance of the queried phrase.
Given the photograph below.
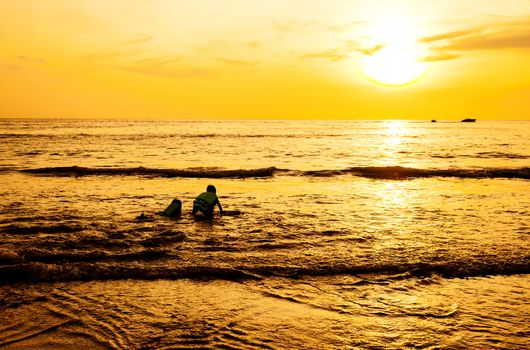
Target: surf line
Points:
(372, 172)
(185, 173)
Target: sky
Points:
(235, 59)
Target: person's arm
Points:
(219, 205)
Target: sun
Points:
(393, 66)
(395, 59)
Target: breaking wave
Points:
(372, 172)
(107, 267)
(134, 136)
(189, 173)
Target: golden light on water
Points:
(394, 194)
(395, 130)
(394, 142)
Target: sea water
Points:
(352, 234)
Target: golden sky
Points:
(245, 59)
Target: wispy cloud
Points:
(446, 36)
(20, 61)
(234, 62)
(371, 50)
(161, 60)
(293, 26)
(344, 26)
(141, 55)
(344, 51)
(143, 62)
(439, 57)
(445, 46)
(139, 40)
(13, 67)
(313, 25)
(30, 59)
(332, 55)
(253, 45)
(502, 40)
(110, 56)
(170, 72)
(500, 36)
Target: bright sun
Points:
(396, 57)
(393, 66)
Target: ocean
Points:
(350, 235)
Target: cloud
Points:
(502, 40)
(294, 26)
(314, 25)
(170, 72)
(344, 51)
(30, 59)
(161, 61)
(372, 50)
(139, 61)
(333, 55)
(114, 56)
(10, 66)
(20, 61)
(253, 45)
(302, 26)
(149, 59)
(345, 26)
(439, 57)
(233, 62)
(139, 40)
(499, 36)
(214, 46)
(446, 36)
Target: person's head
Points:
(211, 188)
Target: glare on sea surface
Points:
(396, 144)
(393, 195)
(395, 130)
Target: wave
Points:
(231, 136)
(398, 172)
(138, 266)
(372, 172)
(15, 229)
(482, 155)
(501, 155)
(171, 135)
(35, 255)
(186, 173)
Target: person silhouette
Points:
(205, 202)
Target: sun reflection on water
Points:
(396, 128)
(393, 194)
(393, 141)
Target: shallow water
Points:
(276, 313)
(351, 234)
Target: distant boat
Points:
(433, 120)
(469, 120)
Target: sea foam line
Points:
(373, 172)
(189, 173)
(107, 269)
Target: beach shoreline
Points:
(302, 314)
